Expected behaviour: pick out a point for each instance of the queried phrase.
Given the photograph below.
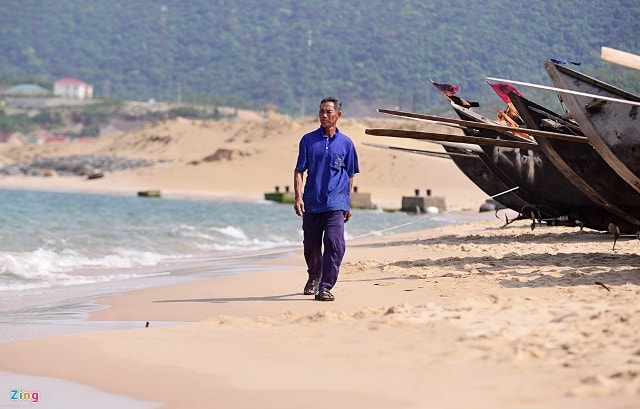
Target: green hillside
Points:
(249, 53)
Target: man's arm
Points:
(347, 214)
(298, 178)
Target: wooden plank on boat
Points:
(620, 57)
(435, 154)
(566, 91)
(402, 133)
(614, 135)
(483, 125)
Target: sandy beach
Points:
(471, 315)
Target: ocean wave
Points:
(46, 268)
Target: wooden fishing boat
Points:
(582, 166)
(536, 175)
(541, 183)
(611, 125)
(486, 135)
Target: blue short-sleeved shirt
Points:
(330, 163)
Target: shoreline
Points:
(37, 306)
(62, 310)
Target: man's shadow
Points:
(224, 300)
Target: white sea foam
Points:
(46, 268)
(233, 232)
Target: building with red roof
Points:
(51, 138)
(11, 138)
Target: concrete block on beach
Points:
(280, 197)
(420, 204)
(149, 193)
(361, 200)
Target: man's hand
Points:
(299, 207)
(347, 215)
(298, 178)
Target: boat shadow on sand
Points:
(540, 260)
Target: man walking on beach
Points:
(329, 157)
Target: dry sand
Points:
(466, 316)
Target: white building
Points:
(72, 88)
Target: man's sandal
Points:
(324, 295)
(312, 286)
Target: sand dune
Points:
(245, 159)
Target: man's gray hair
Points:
(336, 103)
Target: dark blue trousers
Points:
(324, 229)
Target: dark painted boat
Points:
(582, 165)
(530, 204)
(490, 178)
(613, 128)
(511, 166)
(537, 177)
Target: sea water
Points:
(56, 239)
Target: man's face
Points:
(328, 115)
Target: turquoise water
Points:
(54, 239)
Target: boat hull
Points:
(583, 166)
(612, 128)
(538, 178)
(478, 171)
